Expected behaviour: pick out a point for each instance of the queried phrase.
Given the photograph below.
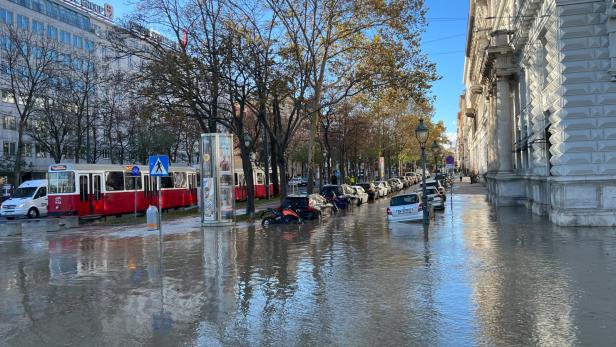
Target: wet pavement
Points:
(476, 277)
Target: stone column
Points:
(504, 124)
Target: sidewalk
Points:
(466, 188)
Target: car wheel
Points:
(32, 213)
(267, 221)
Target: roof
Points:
(109, 167)
(33, 183)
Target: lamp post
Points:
(325, 172)
(421, 132)
(435, 149)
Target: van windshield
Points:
(25, 192)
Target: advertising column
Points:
(217, 191)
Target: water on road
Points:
(477, 277)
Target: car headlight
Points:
(21, 205)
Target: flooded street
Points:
(477, 277)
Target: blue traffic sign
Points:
(450, 160)
(135, 171)
(159, 165)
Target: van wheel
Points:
(33, 213)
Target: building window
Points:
(6, 17)
(40, 152)
(105, 154)
(28, 149)
(23, 22)
(38, 27)
(52, 32)
(89, 46)
(9, 149)
(77, 42)
(65, 37)
(9, 122)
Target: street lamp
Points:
(421, 132)
(435, 149)
(247, 140)
(325, 172)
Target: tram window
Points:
(61, 182)
(179, 179)
(146, 184)
(83, 188)
(166, 182)
(191, 181)
(132, 182)
(260, 177)
(97, 187)
(114, 181)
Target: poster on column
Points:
(209, 199)
(225, 167)
(207, 157)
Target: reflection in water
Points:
(473, 277)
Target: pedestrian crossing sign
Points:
(159, 165)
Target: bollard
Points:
(152, 218)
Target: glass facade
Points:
(22, 22)
(6, 16)
(52, 32)
(58, 12)
(38, 27)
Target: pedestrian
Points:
(334, 179)
(460, 176)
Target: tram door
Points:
(151, 190)
(90, 194)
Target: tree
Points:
(28, 62)
(329, 36)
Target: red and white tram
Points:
(92, 190)
(258, 177)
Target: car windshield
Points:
(295, 202)
(404, 200)
(331, 191)
(24, 192)
(431, 190)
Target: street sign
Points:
(450, 160)
(134, 171)
(159, 165)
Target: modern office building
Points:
(80, 28)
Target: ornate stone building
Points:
(538, 115)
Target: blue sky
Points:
(444, 42)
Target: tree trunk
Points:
(283, 177)
(250, 186)
(274, 161)
(19, 154)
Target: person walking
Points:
(460, 176)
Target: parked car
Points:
(437, 185)
(435, 198)
(405, 208)
(396, 184)
(313, 206)
(298, 181)
(28, 200)
(405, 181)
(381, 188)
(371, 190)
(338, 195)
(386, 187)
(361, 194)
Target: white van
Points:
(29, 200)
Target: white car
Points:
(29, 200)
(384, 186)
(361, 194)
(435, 198)
(405, 208)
